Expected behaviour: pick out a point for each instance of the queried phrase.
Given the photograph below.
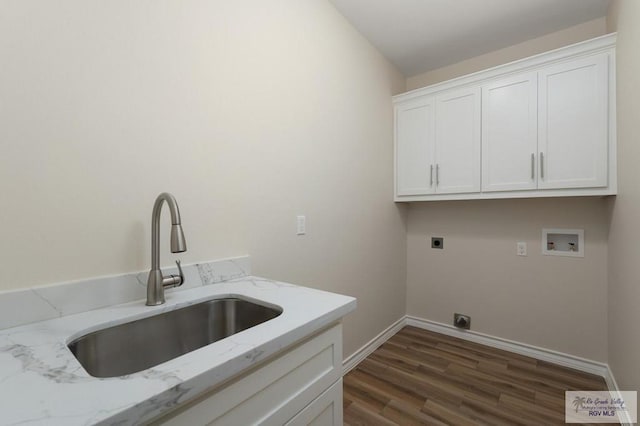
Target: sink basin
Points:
(135, 346)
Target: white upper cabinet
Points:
(573, 123)
(438, 144)
(415, 133)
(509, 133)
(539, 127)
(458, 141)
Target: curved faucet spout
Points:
(173, 207)
(178, 244)
(156, 281)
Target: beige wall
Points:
(624, 237)
(553, 302)
(249, 112)
(571, 35)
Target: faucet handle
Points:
(174, 280)
(180, 273)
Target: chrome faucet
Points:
(156, 283)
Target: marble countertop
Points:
(41, 382)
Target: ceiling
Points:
(422, 35)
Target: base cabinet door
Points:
(274, 393)
(573, 123)
(326, 410)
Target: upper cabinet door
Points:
(573, 123)
(458, 141)
(414, 147)
(509, 134)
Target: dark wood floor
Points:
(421, 377)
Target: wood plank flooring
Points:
(419, 377)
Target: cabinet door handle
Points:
(437, 174)
(533, 166)
(542, 165)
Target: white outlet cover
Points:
(301, 225)
(521, 248)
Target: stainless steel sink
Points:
(135, 346)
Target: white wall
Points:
(252, 112)
(575, 34)
(624, 237)
(552, 302)
(249, 112)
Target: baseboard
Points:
(611, 381)
(613, 387)
(358, 356)
(525, 349)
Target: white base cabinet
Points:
(302, 386)
(325, 410)
(544, 126)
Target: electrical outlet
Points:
(462, 321)
(521, 248)
(301, 225)
(437, 242)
